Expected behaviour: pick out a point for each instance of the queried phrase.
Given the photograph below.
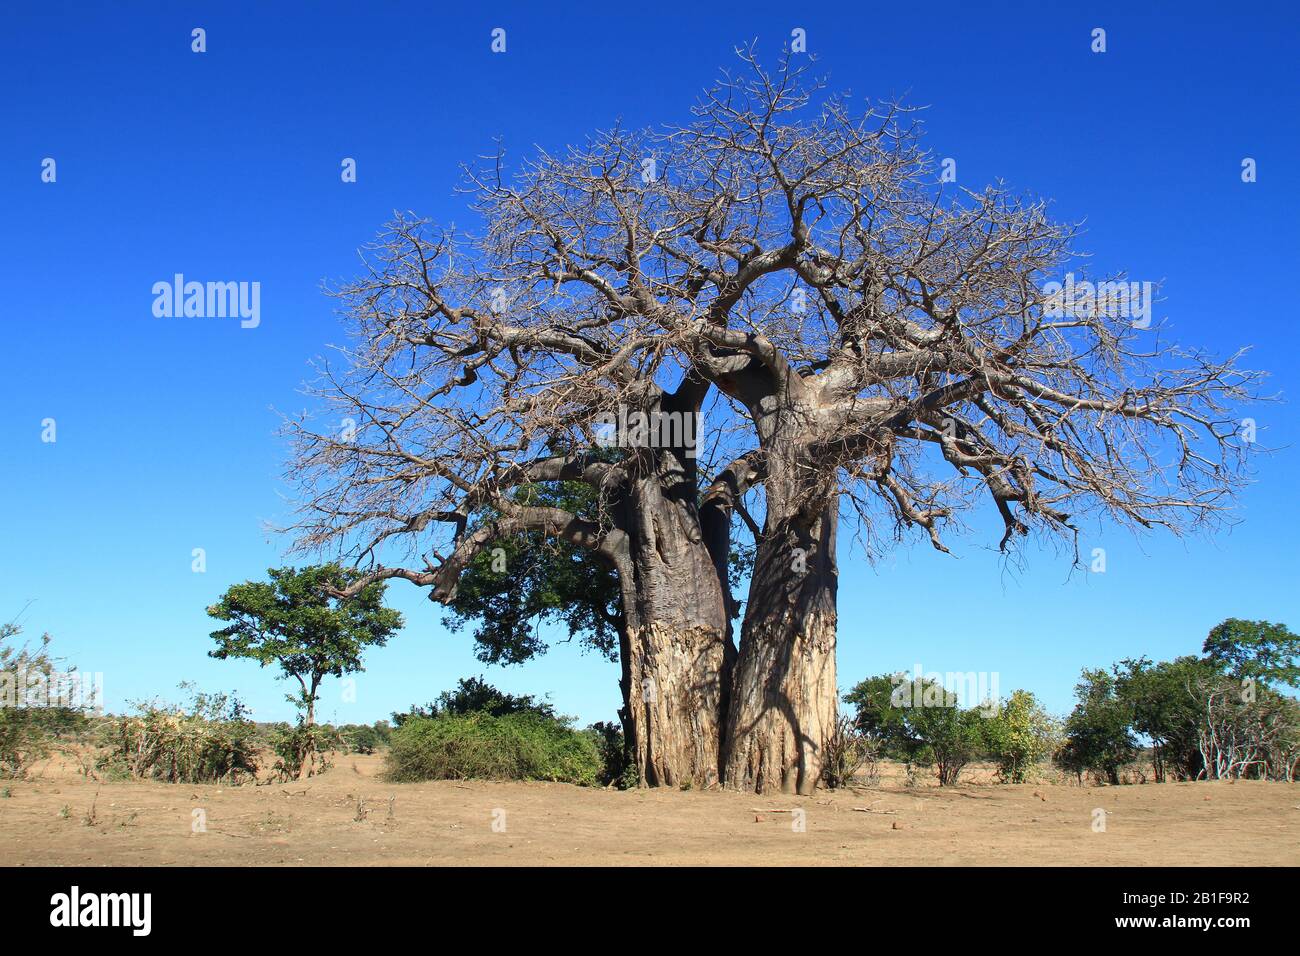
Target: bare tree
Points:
(927, 368)
(866, 345)
(453, 410)
(1239, 735)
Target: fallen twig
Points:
(237, 836)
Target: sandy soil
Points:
(349, 816)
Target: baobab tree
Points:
(458, 413)
(907, 351)
(869, 346)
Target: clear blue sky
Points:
(225, 166)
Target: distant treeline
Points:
(1220, 715)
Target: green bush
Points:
(364, 738)
(917, 721)
(474, 695)
(301, 749)
(948, 738)
(1019, 736)
(1098, 732)
(617, 768)
(520, 746)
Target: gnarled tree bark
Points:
(679, 647)
(784, 696)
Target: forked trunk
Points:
(783, 693)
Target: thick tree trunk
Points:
(678, 646)
(783, 694)
(677, 705)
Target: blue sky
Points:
(225, 165)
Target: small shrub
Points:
(847, 752)
(28, 730)
(616, 768)
(1019, 736)
(630, 778)
(301, 750)
(213, 742)
(361, 738)
(519, 746)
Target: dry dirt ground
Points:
(350, 816)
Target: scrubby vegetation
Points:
(301, 749)
(921, 723)
(32, 720)
(519, 746)
(476, 731)
(617, 767)
(1222, 715)
(364, 738)
(211, 741)
(1219, 716)
(848, 753)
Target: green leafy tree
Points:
(918, 721)
(295, 622)
(524, 581)
(1019, 735)
(1255, 650)
(1162, 707)
(877, 717)
(1214, 716)
(950, 736)
(365, 738)
(1098, 732)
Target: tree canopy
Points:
(829, 331)
(1256, 649)
(296, 621)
